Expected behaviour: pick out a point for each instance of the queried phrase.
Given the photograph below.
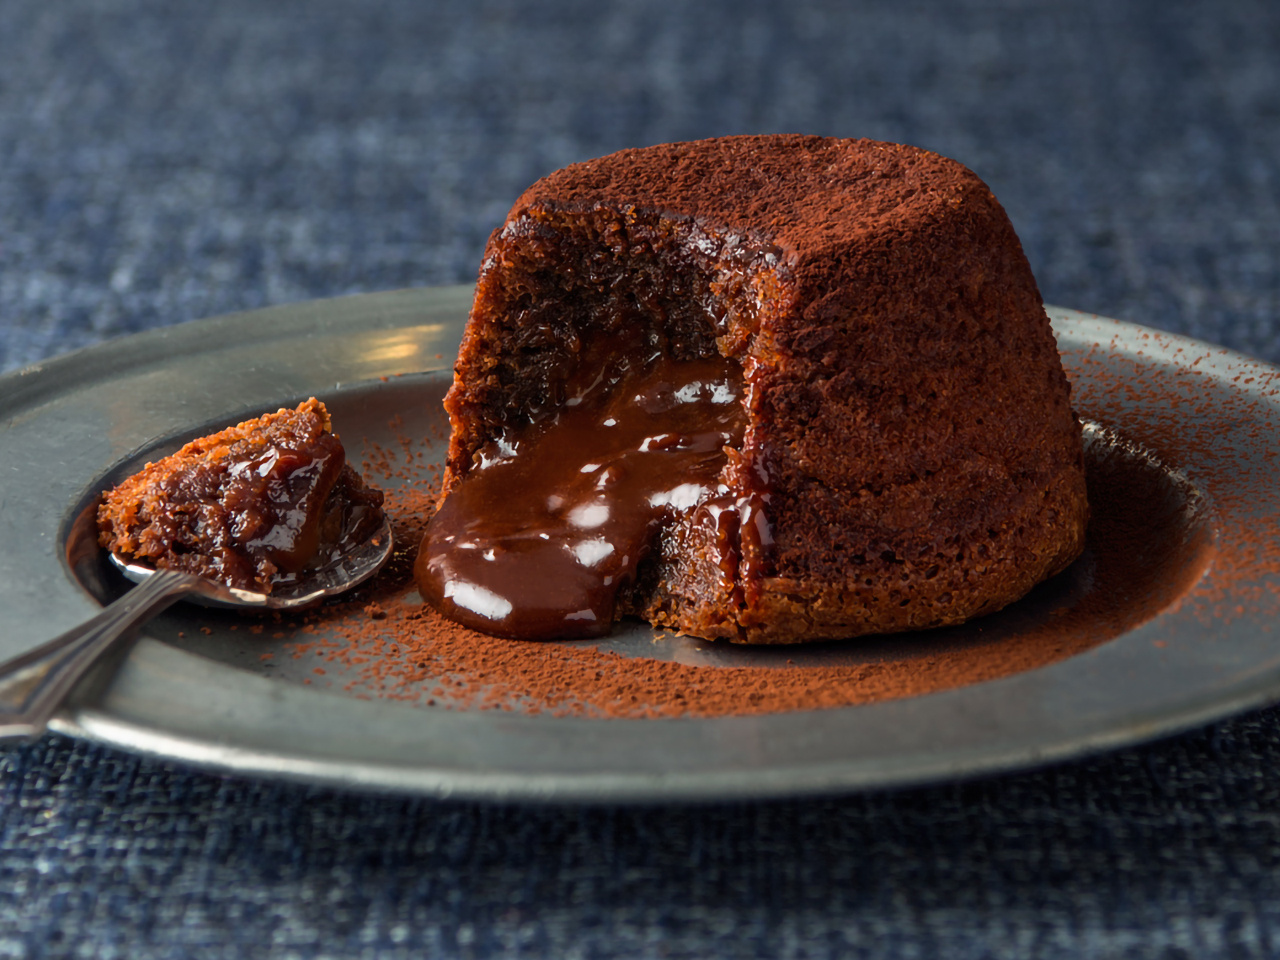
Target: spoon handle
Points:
(34, 684)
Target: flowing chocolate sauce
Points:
(538, 540)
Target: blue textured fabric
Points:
(164, 161)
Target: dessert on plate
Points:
(251, 506)
(763, 388)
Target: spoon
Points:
(35, 684)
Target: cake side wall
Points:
(915, 423)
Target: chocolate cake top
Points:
(799, 192)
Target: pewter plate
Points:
(73, 425)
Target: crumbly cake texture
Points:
(242, 505)
(910, 439)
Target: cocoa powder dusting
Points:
(1152, 537)
(1215, 415)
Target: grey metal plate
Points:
(69, 424)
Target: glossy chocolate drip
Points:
(553, 519)
(349, 516)
(276, 498)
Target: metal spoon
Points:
(35, 684)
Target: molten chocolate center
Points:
(537, 540)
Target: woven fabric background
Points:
(166, 161)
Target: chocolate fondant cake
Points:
(763, 388)
(249, 506)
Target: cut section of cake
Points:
(251, 506)
(891, 443)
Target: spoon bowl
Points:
(292, 592)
